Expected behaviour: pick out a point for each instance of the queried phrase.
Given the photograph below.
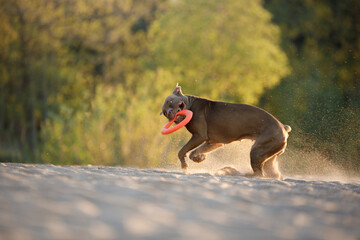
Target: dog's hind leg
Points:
(198, 155)
(264, 150)
(271, 168)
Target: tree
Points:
(105, 42)
(219, 49)
(26, 57)
(53, 56)
(321, 97)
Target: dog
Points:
(216, 123)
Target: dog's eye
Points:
(170, 104)
(164, 112)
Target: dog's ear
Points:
(177, 90)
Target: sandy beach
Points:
(95, 202)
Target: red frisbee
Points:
(188, 115)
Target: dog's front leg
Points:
(198, 155)
(195, 141)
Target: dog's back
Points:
(228, 122)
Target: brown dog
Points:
(217, 123)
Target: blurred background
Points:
(83, 82)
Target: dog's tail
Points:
(287, 128)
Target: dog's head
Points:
(173, 104)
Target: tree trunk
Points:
(26, 87)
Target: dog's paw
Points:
(254, 175)
(184, 167)
(197, 157)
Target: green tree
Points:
(28, 66)
(90, 136)
(105, 42)
(227, 50)
(321, 97)
(53, 56)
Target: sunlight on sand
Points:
(98, 202)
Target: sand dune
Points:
(93, 202)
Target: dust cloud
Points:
(294, 163)
(234, 155)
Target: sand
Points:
(95, 202)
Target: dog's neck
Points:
(190, 100)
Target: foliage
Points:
(321, 97)
(86, 137)
(207, 42)
(54, 55)
(82, 82)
